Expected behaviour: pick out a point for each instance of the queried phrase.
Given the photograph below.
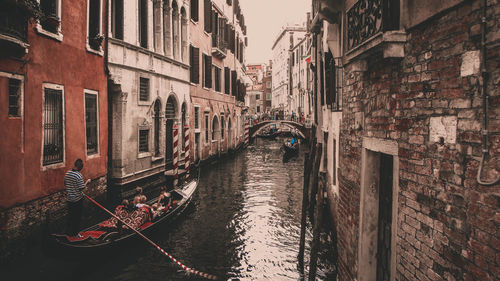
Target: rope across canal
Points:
(185, 268)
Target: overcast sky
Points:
(264, 19)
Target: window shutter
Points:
(195, 10)
(196, 65)
(233, 83)
(207, 15)
(227, 80)
(209, 72)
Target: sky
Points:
(264, 19)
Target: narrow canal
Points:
(243, 224)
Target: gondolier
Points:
(73, 181)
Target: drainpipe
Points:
(484, 79)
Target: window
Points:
(195, 10)
(233, 82)
(333, 82)
(217, 78)
(52, 127)
(268, 84)
(196, 117)
(14, 97)
(207, 68)
(207, 128)
(117, 19)
(143, 140)
(157, 127)
(222, 127)
(143, 89)
(195, 64)
(257, 96)
(94, 25)
(52, 20)
(91, 122)
(268, 96)
(229, 2)
(258, 108)
(143, 23)
(227, 80)
(207, 5)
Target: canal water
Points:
(243, 224)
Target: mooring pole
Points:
(303, 221)
(314, 186)
(318, 220)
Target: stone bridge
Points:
(301, 129)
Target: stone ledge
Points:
(389, 43)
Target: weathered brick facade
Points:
(447, 224)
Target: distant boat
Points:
(269, 135)
(291, 148)
(103, 236)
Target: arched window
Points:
(157, 127)
(222, 127)
(215, 128)
(167, 36)
(175, 30)
(184, 26)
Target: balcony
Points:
(13, 31)
(219, 48)
(373, 27)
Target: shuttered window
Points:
(52, 127)
(195, 10)
(207, 15)
(14, 97)
(143, 23)
(143, 89)
(207, 68)
(227, 80)
(91, 123)
(233, 83)
(217, 77)
(117, 19)
(143, 140)
(194, 55)
(94, 24)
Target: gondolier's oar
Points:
(187, 269)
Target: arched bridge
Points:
(301, 129)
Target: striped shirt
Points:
(73, 181)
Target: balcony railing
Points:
(13, 24)
(13, 31)
(219, 48)
(367, 18)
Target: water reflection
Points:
(243, 224)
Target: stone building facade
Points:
(53, 111)
(148, 63)
(217, 47)
(412, 165)
(267, 85)
(301, 78)
(285, 41)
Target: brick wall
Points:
(447, 223)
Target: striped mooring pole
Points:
(247, 134)
(176, 155)
(186, 151)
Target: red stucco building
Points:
(53, 108)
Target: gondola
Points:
(290, 148)
(268, 135)
(102, 236)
